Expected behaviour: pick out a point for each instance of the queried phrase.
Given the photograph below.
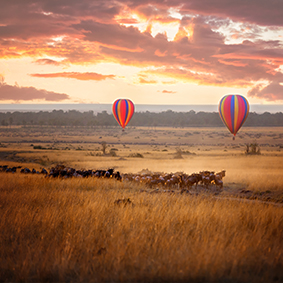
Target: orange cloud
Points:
(159, 53)
(201, 78)
(145, 81)
(89, 32)
(116, 47)
(168, 91)
(76, 75)
(184, 32)
(261, 55)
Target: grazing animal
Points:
(4, 168)
(218, 183)
(207, 177)
(44, 171)
(169, 180)
(189, 181)
(195, 179)
(220, 175)
(110, 171)
(25, 170)
(218, 178)
(117, 176)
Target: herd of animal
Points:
(62, 171)
(180, 180)
(170, 180)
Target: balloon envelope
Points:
(233, 110)
(123, 110)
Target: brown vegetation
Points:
(71, 230)
(93, 229)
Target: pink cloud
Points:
(271, 92)
(49, 62)
(263, 13)
(17, 93)
(85, 32)
(147, 81)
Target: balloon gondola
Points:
(233, 111)
(123, 110)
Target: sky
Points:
(152, 52)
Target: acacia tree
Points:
(252, 148)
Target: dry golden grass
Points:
(213, 149)
(70, 230)
(56, 230)
(267, 136)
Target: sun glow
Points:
(154, 25)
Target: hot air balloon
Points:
(233, 110)
(123, 110)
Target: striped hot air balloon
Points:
(233, 110)
(123, 110)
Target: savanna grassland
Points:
(57, 230)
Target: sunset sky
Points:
(152, 52)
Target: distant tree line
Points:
(168, 119)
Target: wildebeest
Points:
(117, 176)
(25, 170)
(220, 175)
(4, 168)
(43, 171)
(178, 180)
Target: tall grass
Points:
(71, 230)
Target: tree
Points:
(4, 123)
(252, 148)
(10, 121)
(104, 146)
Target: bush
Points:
(113, 153)
(37, 147)
(138, 155)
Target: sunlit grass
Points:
(70, 230)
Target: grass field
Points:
(55, 230)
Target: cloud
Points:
(17, 93)
(201, 78)
(147, 81)
(271, 92)
(90, 32)
(45, 61)
(76, 75)
(168, 91)
(261, 13)
(112, 34)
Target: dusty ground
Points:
(168, 150)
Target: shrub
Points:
(138, 155)
(38, 147)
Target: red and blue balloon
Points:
(123, 110)
(233, 110)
